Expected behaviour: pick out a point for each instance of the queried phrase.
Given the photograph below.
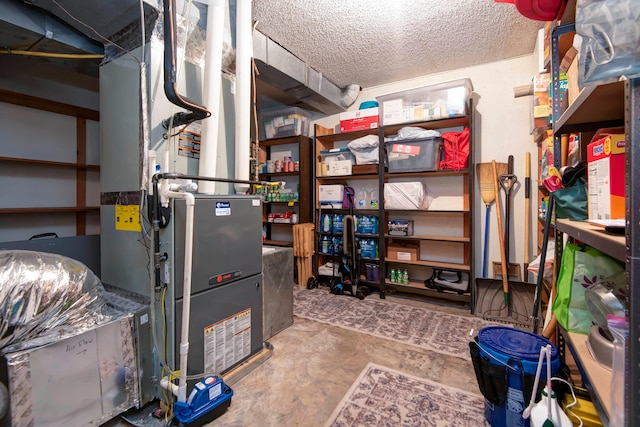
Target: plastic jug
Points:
(362, 199)
(374, 201)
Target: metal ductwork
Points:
(281, 69)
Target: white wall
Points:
(501, 128)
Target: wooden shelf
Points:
(265, 176)
(277, 243)
(408, 211)
(426, 174)
(433, 238)
(341, 178)
(435, 264)
(449, 122)
(428, 220)
(49, 163)
(50, 209)
(421, 289)
(279, 141)
(593, 235)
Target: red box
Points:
(606, 180)
(351, 121)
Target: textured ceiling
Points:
(370, 43)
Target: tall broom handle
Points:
(505, 278)
(527, 212)
(486, 240)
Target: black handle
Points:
(38, 236)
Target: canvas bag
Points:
(581, 267)
(456, 150)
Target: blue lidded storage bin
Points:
(519, 351)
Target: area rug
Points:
(386, 397)
(431, 330)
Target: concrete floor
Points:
(313, 365)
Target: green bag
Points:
(572, 202)
(581, 267)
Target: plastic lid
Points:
(514, 342)
(368, 104)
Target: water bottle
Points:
(393, 275)
(361, 199)
(326, 223)
(325, 245)
(374, 201)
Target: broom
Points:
(488, 194)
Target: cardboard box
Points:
(541, 101)
(351, 121)
(400, 227)
(403, 251)
(606, 180)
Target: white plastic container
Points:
(446, 99)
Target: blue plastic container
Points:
(519, 351)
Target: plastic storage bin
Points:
(431, 102)
(336, 161)
(415, 155)
(279, 122)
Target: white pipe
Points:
(243, 92)
(211, 96)
(168, 385)
(186, 290)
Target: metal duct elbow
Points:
(349, 95)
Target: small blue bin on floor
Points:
(519, 351)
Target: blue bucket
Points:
(519, 352)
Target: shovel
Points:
(505, 277)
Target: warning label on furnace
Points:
(227, 342)
(189, 141)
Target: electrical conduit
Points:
(211, 96)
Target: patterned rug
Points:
(385, 397)
(431, 330)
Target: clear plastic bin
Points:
(431, 102)
(279, 122)
(414, 155)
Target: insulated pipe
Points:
(186, 290)
(243, 92)
(211, 96)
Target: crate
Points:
(280, 122)
(446, 99)
(414, 155)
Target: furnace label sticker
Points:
(128, 218)
(223, 209)
(227, 342)
(189, 142)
